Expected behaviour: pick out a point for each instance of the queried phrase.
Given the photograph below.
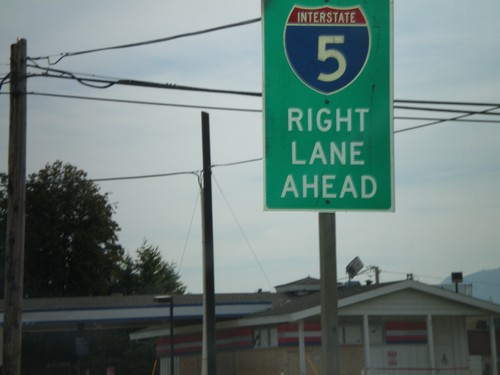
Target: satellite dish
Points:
(354, 267)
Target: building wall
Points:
(249, 362)
(411, 358)
(273, 361)
(406, 354)
(480, 346)
(352, 359)
(450, 342)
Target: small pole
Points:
(329, 295)
(209, 339)
(170, 300)
(16, 207)
(493, 347)
(172, 337)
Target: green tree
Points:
(72, 249)
(71, 243)
(149, 273)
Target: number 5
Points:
(327, 53)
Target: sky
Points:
(447, 176)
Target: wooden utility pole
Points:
(329, 296)
(209, 351)
(16, 206)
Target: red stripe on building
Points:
(288, 334)
(406, 332)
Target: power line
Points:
(109, 81)
(195, 173)
(451, 110)
(92, 80)
(132, 82)
(467, 114)
(100, 83)
(128, 101)
(434, 120)
(243, 233)
(4, 80)
(437, 102)
(413, 118)
(144, 43)
(236, 163)
(189, 231)
(106, 83)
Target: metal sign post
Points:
(328, 122)
(329, 298)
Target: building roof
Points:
(306, 284)
(292, 302)
(397, 298)
(133, 300)
(132, 310)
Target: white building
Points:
(395, 328)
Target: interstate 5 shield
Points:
(318, 44)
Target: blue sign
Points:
(327, 47)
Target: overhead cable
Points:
(144, 43)
(132, 82)
(460, 117)
(465, 118)
(414, 105)
(236, 163)
(179, 268)
(432, 120)
(194, 173)
(106, 82)
(450, 110)
(439, 102)
(242, 231)
(128, 101)
(102, 83)
(416, 118)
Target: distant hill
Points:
(485, 284)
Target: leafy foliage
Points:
(149, 273)
(72, 245)
(71, 238)
(72, 249)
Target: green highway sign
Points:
(328, 105)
